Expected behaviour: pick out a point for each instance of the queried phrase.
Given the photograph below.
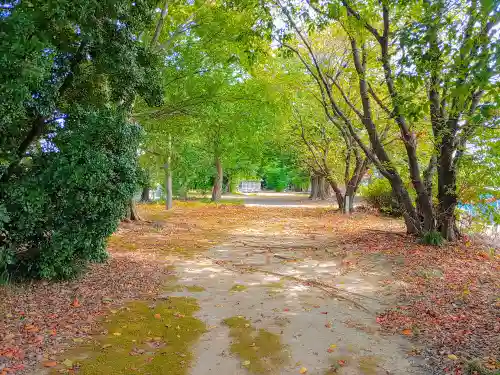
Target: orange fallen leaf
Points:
(75, 303)
(407, 332)
(50, 364)
(157, 316)
(303, 370)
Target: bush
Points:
(69, 197)
(433, 238)
(379, 195)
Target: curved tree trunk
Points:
(218, 180)
(338, 194)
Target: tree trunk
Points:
(168, 176)
(447, 196)
(168, 186)
(145, 194)
(412, 220)
(338, 194)
(314, 187)
(218, 180)
(132, 214)
(322, 188)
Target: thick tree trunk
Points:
(314, 187)
(322, 189)
(132, 214)
(145, 194)
(218, 180)
(447, 188)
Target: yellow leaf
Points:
(302, 370)
(68, 363)
(453, 357)
(117, 333)
(245, 363)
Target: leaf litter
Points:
(446, 298)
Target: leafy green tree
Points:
(431, 67)
(69, 73)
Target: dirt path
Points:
(324, 325)
(271, 290)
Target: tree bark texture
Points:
(314, 187)
(218, 180)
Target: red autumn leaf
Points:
(50, 364)
(75, 303)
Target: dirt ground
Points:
(227, 289)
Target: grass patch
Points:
(238, 288)
(274, 285)
(260, 351)
(195, 288)
(144, 340)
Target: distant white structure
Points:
(249, 187)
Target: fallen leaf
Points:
(302, 370)
(407, 332)
(77, 340)
(50, 364)
(117, 333)
(245, 363)
(157, 316)
(75, 303)
(68, 363)
(341, 362)
(453, 357)
(332, 348)
(105, 346)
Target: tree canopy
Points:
(101, 99)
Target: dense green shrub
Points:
(378, 193)
(62, 211)
(70, 71)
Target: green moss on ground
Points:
(260, 351)
(238, 288)
(275, 285)
(195, 288)
(145, 340)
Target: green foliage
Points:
(70, 72)
(62, 211)
(433, 238)
(378, 193)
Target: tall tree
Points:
(396, 50)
